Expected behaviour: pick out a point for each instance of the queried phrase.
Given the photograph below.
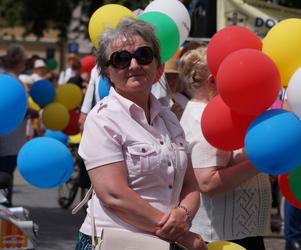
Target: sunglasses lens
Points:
(144, 55)
(121, 59)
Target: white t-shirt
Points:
(243, 212)
(116, 130)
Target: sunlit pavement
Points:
(59, 228)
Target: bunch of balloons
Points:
(274, 138)
(46, 162)
(247, 81)
(170, 19)
(249, 75)
(59, 105)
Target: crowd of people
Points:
(151, 169)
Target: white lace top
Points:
(243, 212)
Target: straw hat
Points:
(171, 66)
(72, 56)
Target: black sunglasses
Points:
(122, 59)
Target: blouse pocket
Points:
(143, 158)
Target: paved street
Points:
(58, 227)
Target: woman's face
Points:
(134, 77)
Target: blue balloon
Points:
(273, 142)
(13, 103)
(45, 162)
(103, 87)
(58, 135)
(42, 92)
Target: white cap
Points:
(39, 63)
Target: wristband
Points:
(188, 214)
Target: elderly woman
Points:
(134, 149)
(235, 196)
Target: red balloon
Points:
(222, 127)
(248, 81)
(283, 181)
(88, 62)
(228, 40)
(73, 126)
(159, 73)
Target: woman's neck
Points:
(203, 94)
(140, 99)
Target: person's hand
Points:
(173, 224)
(81, 120)
(191, 241)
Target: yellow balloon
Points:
(75, 139)
(33, 105)
(70, 95)
(224, 245)
(282, 44)
(55, 116)
(108, 15)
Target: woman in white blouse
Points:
(129, 147)
(235, 197)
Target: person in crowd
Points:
(175, 89)
(235, 196)
(40, 70)
(91, 96)
(128, 151)
(77, 78)
(292, 227)
(65, 75)
(10, 144)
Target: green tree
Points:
(37, 16)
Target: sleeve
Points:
(87, 103)
(100, 144)
(203, 155)
(61, 77)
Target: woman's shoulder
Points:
(105, 109)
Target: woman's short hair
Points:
(128, 28)
(15, 54)
(193, 67)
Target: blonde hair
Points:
(193, 67)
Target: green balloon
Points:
(166, 31)
(51, 63)
(294, 181)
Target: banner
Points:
(256, 15)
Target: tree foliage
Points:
(37, 16)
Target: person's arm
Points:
(88, 99)
(217, 180)
(87, 103)
(111, 187)
(81, 120)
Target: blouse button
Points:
(169, 163)
(143, 150)
(170, 186)
(161, 142)
(181, 144)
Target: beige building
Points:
(49, 41)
